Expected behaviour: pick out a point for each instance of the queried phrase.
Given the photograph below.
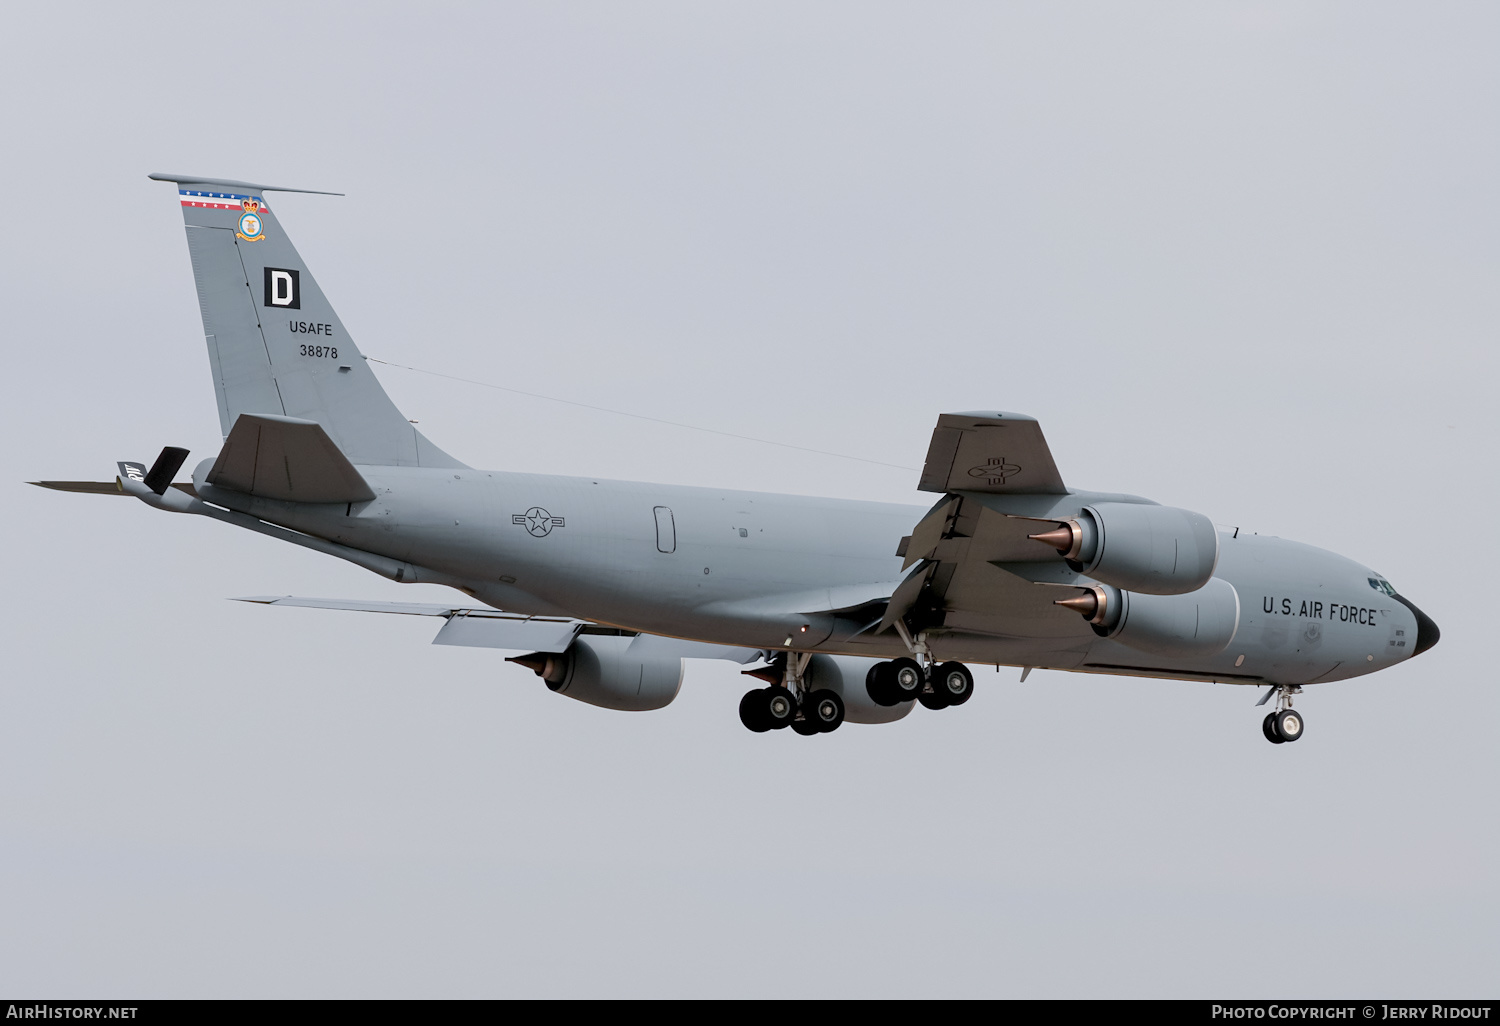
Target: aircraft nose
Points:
(1427, 631)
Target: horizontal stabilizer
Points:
(288, 459)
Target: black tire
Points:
(908, 678)
(781, 706)
(880, 685)
(825, 708)
(806, 726)
(1268, 728)
(1289, 725)
(954, 682)
(753, 712)
(930, 699)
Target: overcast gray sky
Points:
(1238, 257)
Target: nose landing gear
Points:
(1282, 724)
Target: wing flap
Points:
(517, 633)
(929, 531)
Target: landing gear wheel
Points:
(880, 685)
(753, 713)
(824, 708)
(806, 726)
(781, 707)
(954, 682)
(1268, 728)
(932, 698)
(1289, 724)
(909, 678)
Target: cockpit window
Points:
(1381, 584)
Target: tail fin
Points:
(274, 342)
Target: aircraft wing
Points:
(975, 569)
(990, 452)
(494, 628)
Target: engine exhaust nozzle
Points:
(551, 668)
(1067, 539)
(1092, 605)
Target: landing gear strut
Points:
(1283, 723)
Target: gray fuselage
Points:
(772, 572)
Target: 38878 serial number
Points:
(331, 352)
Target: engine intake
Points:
(1153, 550)
(602, 671)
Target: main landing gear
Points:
(935, 685)
(1283, 723)
(790, 704)
(906, 680)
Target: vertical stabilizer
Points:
(275, 344)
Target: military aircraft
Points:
(847, 610)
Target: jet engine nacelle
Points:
(1201, 623)
(846, 675)
(1152, 550)
(601, 670)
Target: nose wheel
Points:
(1283, 724)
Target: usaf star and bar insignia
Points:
(537, 521)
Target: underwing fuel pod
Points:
(840, 611)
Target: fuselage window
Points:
(666, 530)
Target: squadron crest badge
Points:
(252, 228)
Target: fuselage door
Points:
(666, 530)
